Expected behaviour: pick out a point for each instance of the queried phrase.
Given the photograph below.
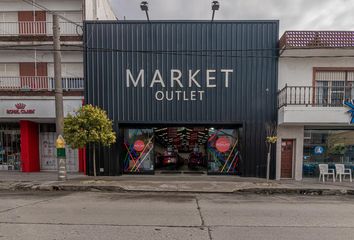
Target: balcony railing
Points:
(38, 28)
(315, 96)
(39, 83)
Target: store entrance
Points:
(10, 148)
(194, 150)
(181, 149)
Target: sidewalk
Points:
(47, 181)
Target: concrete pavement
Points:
(47, 181)
(100, 215)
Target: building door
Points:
(32, 22)
(287, 155)
(34, 76)
(40, 19)
(26, 22)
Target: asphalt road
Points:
(96, 215)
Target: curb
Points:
(298, 191)
(99, 188)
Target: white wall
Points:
(9, 69)
(99, 10)
(68, 69)
(296, 133)
(8, 16)
(299, 71)
(314, 115)
(39, 56)
(75, 16)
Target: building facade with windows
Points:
(316, 82)
(27, 107)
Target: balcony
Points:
(317, 39)
(314, 105)
(38, 29)
(315, 96)
(39, 83)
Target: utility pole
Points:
(59, 112)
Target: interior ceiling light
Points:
(161, 129)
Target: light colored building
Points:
(316, 76)
(27, 109)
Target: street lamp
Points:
(215, 5)
(145, 7)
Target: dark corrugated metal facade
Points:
(248, 48)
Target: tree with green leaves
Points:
(338, 149)
(89, 125)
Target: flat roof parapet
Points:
(317, 39)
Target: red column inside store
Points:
(82, 160)
(82, 154)
(29, 146)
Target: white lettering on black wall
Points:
(135, 82)
(182, 82)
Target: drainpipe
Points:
(84, 10)
(95, 9)
(35, 61)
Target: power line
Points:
(174, 51)
(97, 50)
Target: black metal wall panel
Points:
(248, 48)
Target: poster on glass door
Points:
(48, 156)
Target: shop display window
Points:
(48, 152)
(181, 149)
(329, 147)
(10, 150)
(223, 149)
(138, 150)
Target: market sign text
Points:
(176, 80)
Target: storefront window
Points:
(48, 153)
(10, 147)
(138, 150)
(181, 149)
(327, 146)
(223, 151)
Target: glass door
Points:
(10, 150)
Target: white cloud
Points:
(293, 14)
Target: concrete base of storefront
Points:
(47, 181)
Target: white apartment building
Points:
(27, 109)
(316, 78)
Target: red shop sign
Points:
(222, 144)
(139, 146)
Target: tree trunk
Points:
(268, 160)
(94, 161)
